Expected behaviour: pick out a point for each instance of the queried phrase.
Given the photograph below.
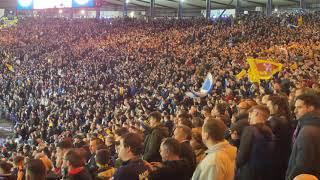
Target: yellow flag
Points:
(241, 74)
(100, 136)
(252, 77)
(10, 67)
(300, 21)
(262, 69)
(15, 20)
(28, 82)
(121, 91)
(108, 132)
(294, 66)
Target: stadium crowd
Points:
(105, 99)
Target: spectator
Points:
(239, 122)
(184, 119)
(120, 132)
(109, 141)
(304, 158)
(279, 121)
(103, 160)
(5, 171)
(153, 139)
(62, 77)
(76, 168)
(206, 112)
(172, 165)
(183, 135)
(219, 162)
(94, 143)
(62, 148)
(18, 171)
(131, 146)
(50, 175)
(219, 111)
(254, 159)
(168, 123)
(35, 170)
(194, 112)
(305, 177)
(197, 122)
(78, 141)
(197, 145)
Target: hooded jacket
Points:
(305, 156)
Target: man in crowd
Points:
(94, 143)
(18, 171)
(153, 139)
(183, 135)
(219, 162)
(35, 170)
(76, 169)
(97, 76)
(78, 141)
(5, 171)
(172, 166)
(305, 156)
(62, 148)
(120, 132)
(133, 167)
(103, 159)
(254, 159)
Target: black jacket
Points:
(305, 156)
(254, 159)
(91, 165)
(282, 130)
(188, 154)
(238, 126)
(81, 175)
(152, 143)
(7, 177)
(177, 170)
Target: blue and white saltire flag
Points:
(205, 89)
(292, 26)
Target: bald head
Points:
(305, 177)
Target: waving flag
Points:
(10, 67)
(262, 69)
(292, 26)
(205, 89)
(253, 77)
(294, 66)
(300, 21)
(241, 74)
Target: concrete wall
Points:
(1, 12)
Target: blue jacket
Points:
(132, 169)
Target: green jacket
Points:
(152, 143)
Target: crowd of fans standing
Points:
(100, 99)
